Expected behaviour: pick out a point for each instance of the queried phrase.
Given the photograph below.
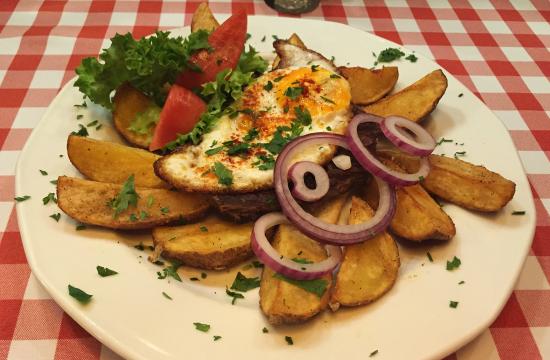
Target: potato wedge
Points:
(212, 243)
(282, 302)
(417, 216)
(414, 102)
(203, 19)
(369, 269)
(294, 40)
(471, 186)
(87, 201)
(368, 86)
(110, 162)
(128, 102)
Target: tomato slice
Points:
(179, 115)
(228, 43)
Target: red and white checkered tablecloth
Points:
(498, 49)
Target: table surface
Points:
(498, 49)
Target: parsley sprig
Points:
(125, 198)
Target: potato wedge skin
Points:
(86, 201)
(128, 102)
(203, 19)
(222, 245)
(414, 102)
(369, 269)
(368, 86)
(417, 216)
(284, 303)
(471, 186)
(110, 162)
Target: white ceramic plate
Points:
(129, 314)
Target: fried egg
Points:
(281, 104)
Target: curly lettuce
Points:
(147, 64)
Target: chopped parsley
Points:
(459, 153)
(243, 284)
(22, 198)
(81, 132)
(460, 95)
(294, 92)
(443, 140)
(327, 100)
(518, 212)
(150, 200)
(133, 218)
(453, 264)
(164, 210)
(238, 149)
(315, 286)
(373, 353)
(389, 55)
(268, 86)
(302, 261)
(81, 296)
(224, 175)
(328, 128)
(263, 39)
(461, 282)
(203, 228)
(412, 58)
(125, 198)
(201, 327)
(56, 217)
(53, 182)
(453, 304)
(80, 227)
(314, 68)
(217, 337)
(275, 37)
(103, 271)
(289, 340)
(265, 162)
(43, 172)
(279, 78)
(50, 197)
(264, 330)
(194, 278)
(79, 116)
(170, 271)
(204, 275)
(92, 123)
(214, 151)
(430, 256)
(234, 295)
(167, 296)
(335, 76)
(251, 134)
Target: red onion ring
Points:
(391, 127)
(300, 190)
(285, 266)
(372, 164)
(309, 224)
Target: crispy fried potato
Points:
(369, 269)
(368, 86)
(110, 162)
(417, 217)
(294, 40)
(471, 186)
(129, 102)
(282, 302)
(203, 19)
(210, 244)
(87, 201)
(414, 102)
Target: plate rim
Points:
(74, 309)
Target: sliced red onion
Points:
(372, 164)
(300, 190)
(285, 266)
(309, 224)
(342, 162)
(422, 145)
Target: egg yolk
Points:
(316, 89)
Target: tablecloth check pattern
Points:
(499, 49)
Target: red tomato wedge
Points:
(228, 43)
(179, 115)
